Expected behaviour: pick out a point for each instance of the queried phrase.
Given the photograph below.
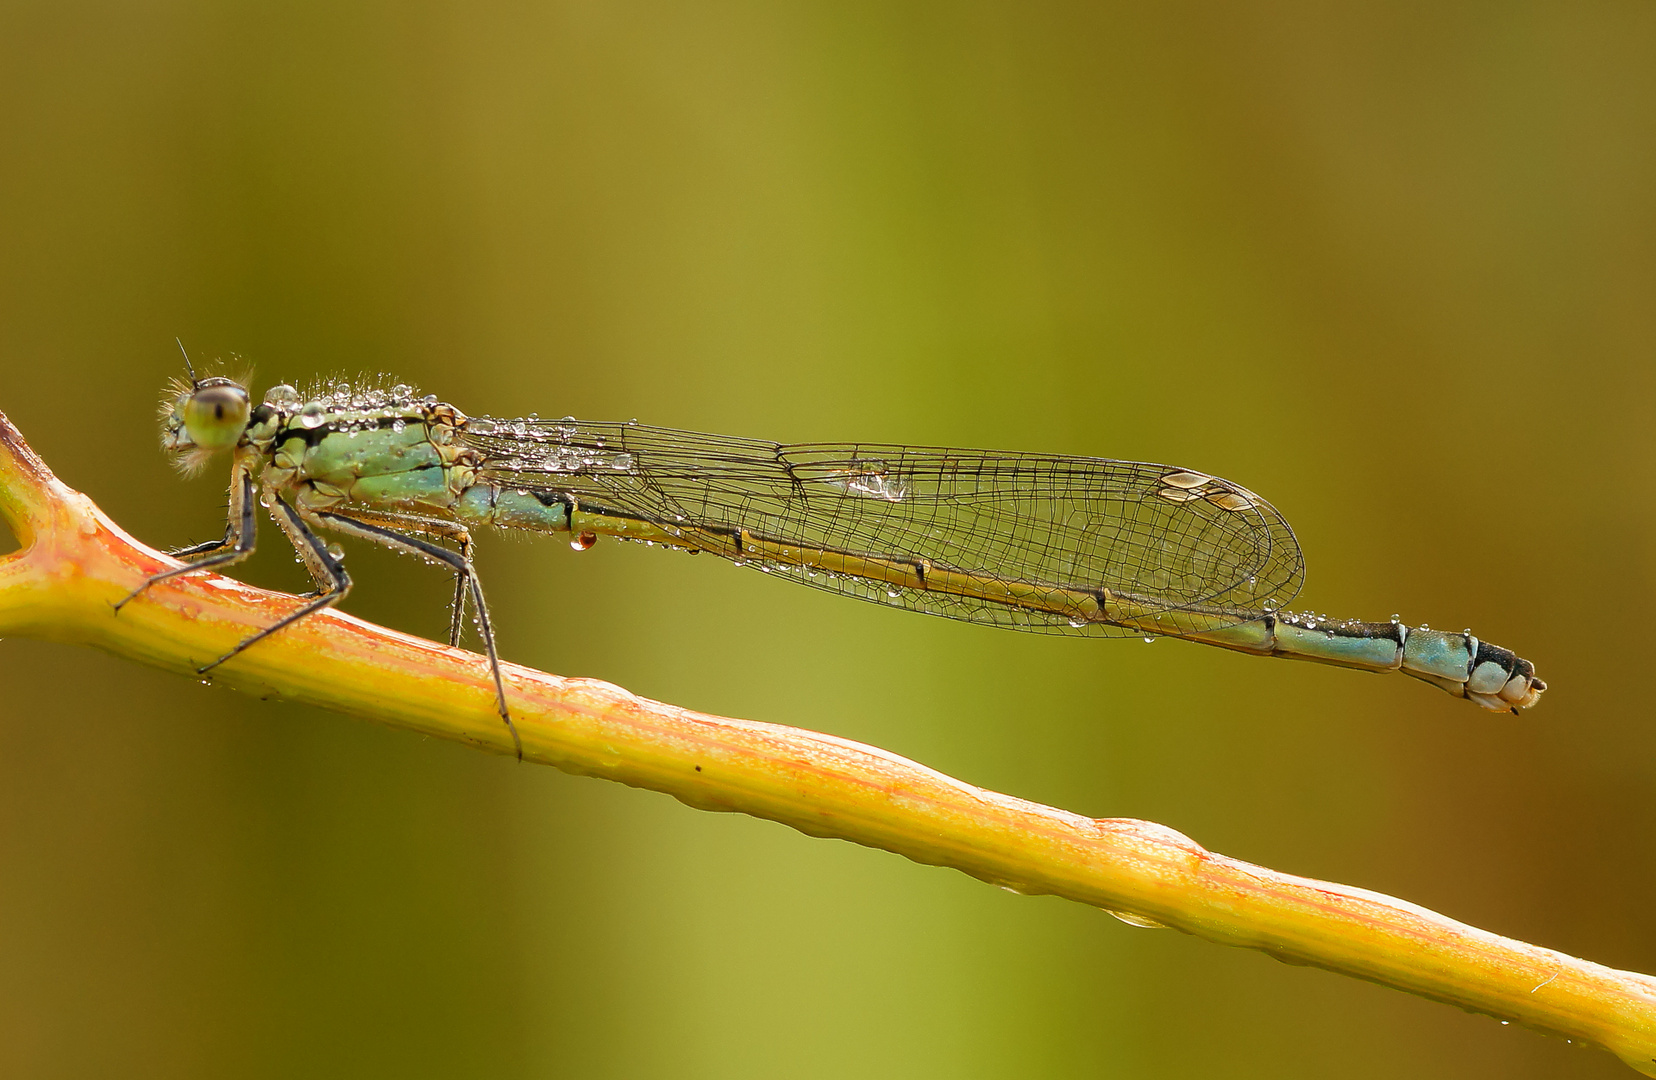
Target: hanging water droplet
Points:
(399, 425)
(583, 541)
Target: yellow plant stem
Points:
(75, 564)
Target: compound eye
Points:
(215, 415)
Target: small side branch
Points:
(75, 564)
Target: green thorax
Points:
(361, 446)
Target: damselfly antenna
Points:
(195, 383)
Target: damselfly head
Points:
(200, 416)
(203, 417)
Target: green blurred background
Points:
(1391, 267)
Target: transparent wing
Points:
(1170, 539)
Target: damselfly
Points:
(1052, 544)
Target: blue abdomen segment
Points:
(1458, 663)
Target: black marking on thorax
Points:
(311, 436)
